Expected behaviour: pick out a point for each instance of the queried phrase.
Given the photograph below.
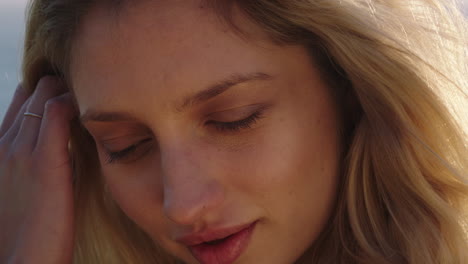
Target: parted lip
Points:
(211, 234)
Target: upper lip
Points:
(211, 234)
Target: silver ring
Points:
(33, 115)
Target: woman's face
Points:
(203, 135)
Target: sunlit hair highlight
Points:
(404, 189)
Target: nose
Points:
(190, 191)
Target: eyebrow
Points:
(202, 96)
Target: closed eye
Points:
(237, 125)
(125, 154)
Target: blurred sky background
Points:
(11, 38)
(11, 41)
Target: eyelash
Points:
(114, 157)
(235, 126)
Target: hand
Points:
(36, 192)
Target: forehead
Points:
(152, 53)
(153, 44)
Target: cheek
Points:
(295, 155)
(136, 189)
(139, 193)
(291, 174)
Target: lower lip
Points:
(225, 252)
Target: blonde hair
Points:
(403, 192)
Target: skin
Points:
(188, 175)
(36, 192)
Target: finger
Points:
(12, 132)
(47, 88)
(52, 143)
(17, 102)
